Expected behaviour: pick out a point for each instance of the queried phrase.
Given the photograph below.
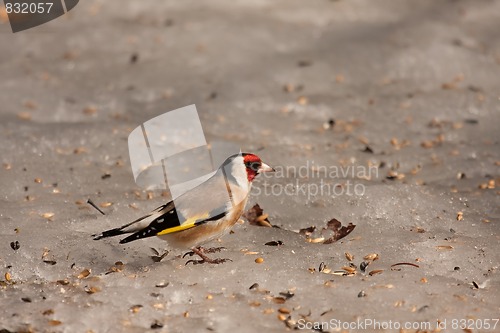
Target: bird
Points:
(203, 213)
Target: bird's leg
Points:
(201, 253)
(213, 249)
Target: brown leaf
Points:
(339, 231)
(256, 216)
(307, 231)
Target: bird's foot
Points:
(204, 259)
(203, 250)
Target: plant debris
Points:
(339, 231)
(157, 257)
(405, 263)
(90, 202)
(256, 216)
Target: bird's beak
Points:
(265, 168)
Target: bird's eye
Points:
(253, 165)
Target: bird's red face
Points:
(254, 166)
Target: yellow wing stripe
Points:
(188, 224)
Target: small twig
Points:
(405, 263)
(90, 202)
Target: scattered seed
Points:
(460, 216)
(281, 317)
(26, 299)
(83, 274)
(316, 240)
(322, 267)
(302, 100)
(89, 110)
(48, 216)
(186, 314)
(268, 311)
(274, 243)
(254, 286)
(284, 310)
(159, 306)
(375, 272)
(287, 294)
(259, 260)
(209, 297)
(349, 269)
(304, 63)
(38, 180)
(55, 322)
(106, 204)
(474, 283)
(444, 247)
(7, 166)
(162, 284)
(288, 87)
(362, 293)
(363, 265)
(423, 280)
(349, 256)
(279, 300)
(50, 262)
(79, 150)
(48, 312)
(63, 282)
(24, 115)
(135, 308)
(156, 325)
(8, 277)
(371, 256)
(254, 303)
(91, 290)
(15, 245)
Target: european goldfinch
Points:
(204, 213)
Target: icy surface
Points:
(412, 88)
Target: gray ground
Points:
(417, 82)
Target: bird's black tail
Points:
(109, 233)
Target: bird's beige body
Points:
(205, 233)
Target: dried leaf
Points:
(307, 231)
(256, 216)
(339, 231)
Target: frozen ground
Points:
(411, 86)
